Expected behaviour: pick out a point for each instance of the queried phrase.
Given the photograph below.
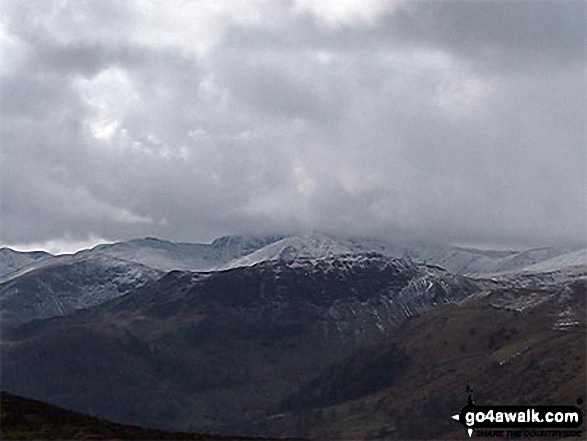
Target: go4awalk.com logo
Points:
(520, 421)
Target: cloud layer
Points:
(459, 121)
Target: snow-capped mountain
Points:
(223, 347)
(294, 247)
(558, 271)
(167, 256)
(211, 350)
(455, 259)
(11, 260)
(234, 251)
(567, 260)
(379, 291)
(37, 285)
(58, 286)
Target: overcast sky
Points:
(458, 121)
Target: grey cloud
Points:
(524, 29)
(27, 95)
(456, 121)
(498, 35)
(85, 59)
(81, 22)
(286, 87)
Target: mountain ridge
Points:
(232, 251)
(231, 343)
(58, 286)
(155, 257)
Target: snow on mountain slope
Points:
(234, 251)
(318, 246)
(294, 247)
(226, 346)
(526, 258)
(558, 271)
(567, 260)
(11, 260)
(455, 259)
(63, 284)
(166, 255)
(462, 260)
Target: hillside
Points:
(300, 340)
(22, 418)
(11, 260)
(452, 258)
(61, 285)
(166, 255)
(210, 351)
(512, 346)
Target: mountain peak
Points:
(12, 260)
(240, 240)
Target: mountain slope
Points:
(295, 247)
(567, 260)
(63, 284)
(22, 418)
(234, 251)
(209, 351)
(11, 260)
(454, 259)
(407, 387)
(167, 256)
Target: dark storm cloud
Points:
(456, 121)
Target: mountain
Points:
(302, 336)
(458, 259)
(165, 255)
(11, 260)
(455, 259)
(557, 271)
(314, 246)
(512, 346)
(211, 351)
(39, 285)
(60, 285)
(473, 261)
(572, 259)
(234, 251)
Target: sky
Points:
(456, 121)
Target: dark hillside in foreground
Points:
(21, 418)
